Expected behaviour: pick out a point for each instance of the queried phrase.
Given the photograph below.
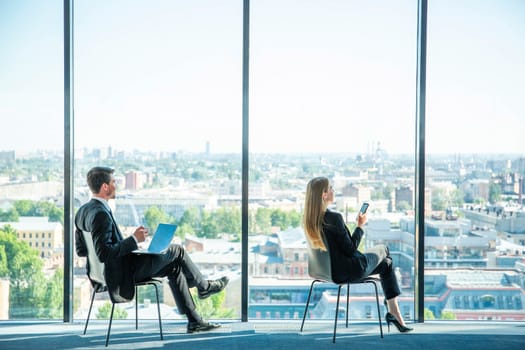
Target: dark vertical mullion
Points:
(245, 158)
(68, 161)
(419, 256)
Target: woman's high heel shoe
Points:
(392, 319)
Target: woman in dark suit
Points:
(347, 262)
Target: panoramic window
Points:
(31, 160)
(474, 219)
(332, 93)
(158, 98)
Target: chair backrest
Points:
(95, 268)
(319, 263)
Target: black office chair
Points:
(320, 268)
(95, 273)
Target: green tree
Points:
(9, 216)
(199, 175)
(212, 307)
(457, 198)
(403, 206)
(27, 281)
(56, 214)
(428, 314)
(185, 229)
(387, 191)
(191, 217)
(105, 311)
(153, 216)
(252, 225)
(279, 219)
(494, 192)
(43, 208)
(294, 218)
(263, 220)
(285, 219)
(25, 207)
(4, 271)
(229, 219)
(439, 199)
(148, 292)
(53, 297)
(479, 200)
(448, 315)
(209, 225)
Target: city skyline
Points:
(323, 79)
(207, 149)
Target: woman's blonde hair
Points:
(314, 209)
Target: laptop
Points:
(160, 241)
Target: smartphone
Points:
(364, 207)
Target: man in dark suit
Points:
(122, 268)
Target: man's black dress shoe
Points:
(202, 326)
(214, 287)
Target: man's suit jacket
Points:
(110, 247)
(347, 262)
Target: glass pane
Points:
(31, 160)
(158, 98)
(474, 226)
(332, 94)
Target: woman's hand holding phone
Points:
(361, 217)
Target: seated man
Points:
(122, 267)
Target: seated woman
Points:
(351, 264)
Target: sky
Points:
(325, 76)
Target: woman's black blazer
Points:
(348, 264)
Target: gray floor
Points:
(262, 335)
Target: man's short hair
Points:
(97, 176)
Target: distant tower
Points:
(135, 180)
(207, 148)
(520, 190)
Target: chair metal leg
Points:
(90, 307)
(158, 310)
(336, 312)
(347, 302)
(110, 321)
(347, 305)
(307, 303)
(136, 307)
(378, 308)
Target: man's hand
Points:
(140, 233)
